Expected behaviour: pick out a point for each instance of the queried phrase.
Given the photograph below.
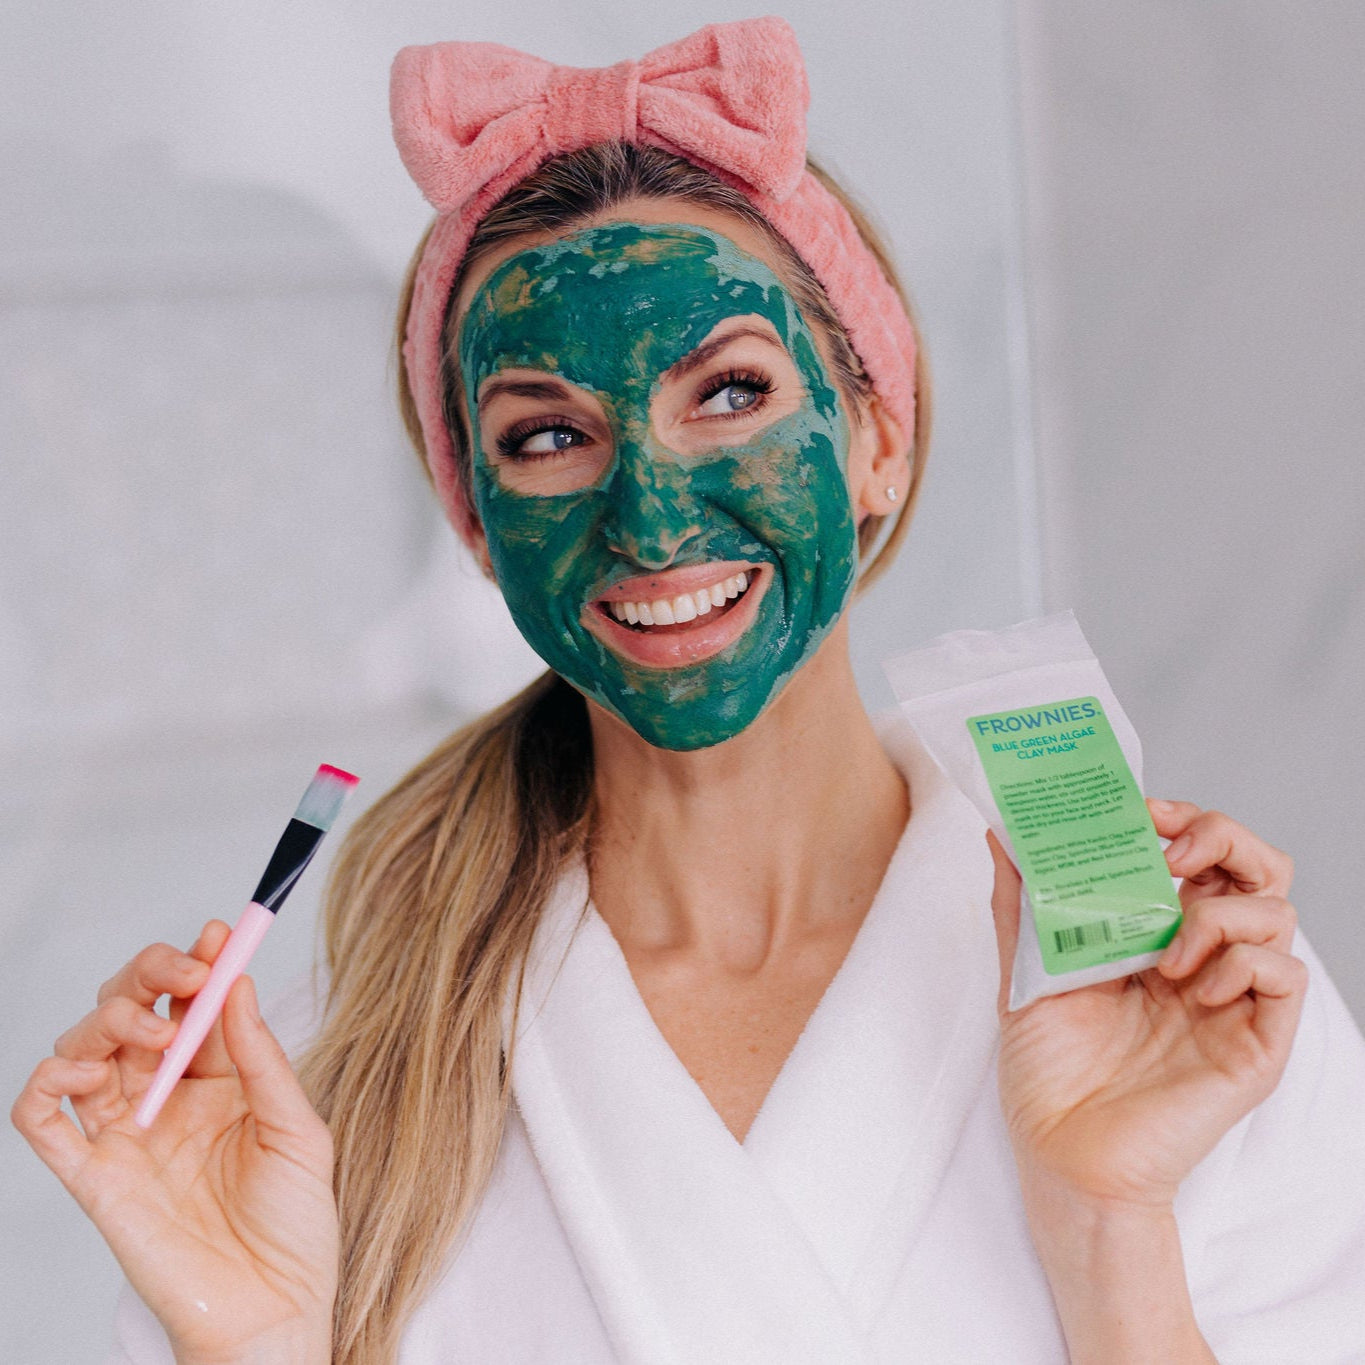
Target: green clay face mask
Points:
(671, 527)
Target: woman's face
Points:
(660, 464)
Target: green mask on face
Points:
(609, 309)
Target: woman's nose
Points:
(652, 510)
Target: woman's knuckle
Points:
(1221, 825)
(118, 1016)
(110, 1011)
(69, 1040)
(151, 961)
(49, 1074)
(40, 1081)
(21, 1111)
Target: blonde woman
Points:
(664, 1018)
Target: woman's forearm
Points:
(1118, 1279)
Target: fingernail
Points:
(86, 1065)
(1165, 807)
(153, 1025)
(1179, 849)
(1175, 950)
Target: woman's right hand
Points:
(221, 1214)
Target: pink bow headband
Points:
(473, 119)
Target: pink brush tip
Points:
(350, 779)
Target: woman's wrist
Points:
(1117, 1276)
(301, 1346)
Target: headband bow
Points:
(732, 96)
(471, 120)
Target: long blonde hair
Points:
(436, 891)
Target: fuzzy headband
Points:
(473, 119)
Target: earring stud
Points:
(891, 494)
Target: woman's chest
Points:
(733, 1029)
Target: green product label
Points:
(1084, 841)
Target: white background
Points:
(1133, 233)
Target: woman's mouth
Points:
(680, 616)
(664, 612)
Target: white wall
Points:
(218, 564)
(1196, 194)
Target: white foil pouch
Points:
(1024, 721)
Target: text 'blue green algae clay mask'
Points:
(1025, 723)
(660, 469)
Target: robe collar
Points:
(785, 1247)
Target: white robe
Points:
(872, 1214)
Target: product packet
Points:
(1025, 723)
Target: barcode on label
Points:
(1082, 936)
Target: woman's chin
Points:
(689, 733)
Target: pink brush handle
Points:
(207, 1005)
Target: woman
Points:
(557, 1109)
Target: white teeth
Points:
(681, 609)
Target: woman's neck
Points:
(740, 851)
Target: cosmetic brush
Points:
(300, 840)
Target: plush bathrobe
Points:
(872, 1214)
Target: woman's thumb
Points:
(271, 1089)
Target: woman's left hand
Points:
(1112, 1093)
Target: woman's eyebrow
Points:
(707, 349)
(549, 390)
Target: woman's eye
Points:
(733, 395)
(732, 398)
(538, 444)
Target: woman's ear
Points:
(878, 462)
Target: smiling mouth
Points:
(681, 616)
(676, 614)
